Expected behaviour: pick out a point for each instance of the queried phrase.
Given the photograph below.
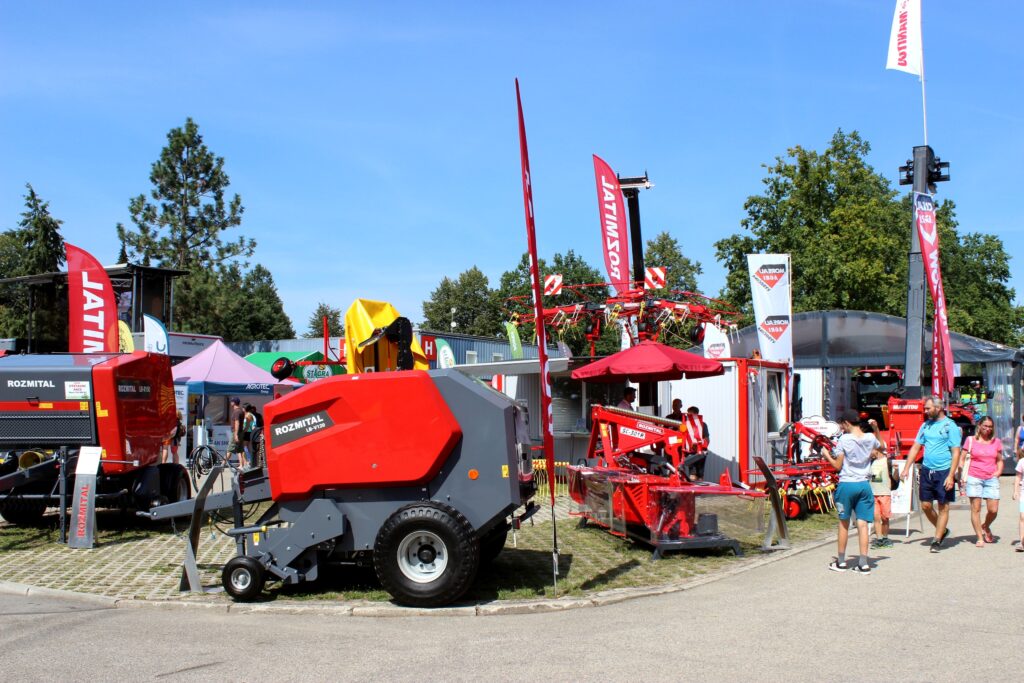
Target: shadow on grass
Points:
(113, 527)
(609, 575)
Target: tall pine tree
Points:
(185, 224)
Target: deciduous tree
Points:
(848, 233)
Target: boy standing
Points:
(853, 494)
(881, 488)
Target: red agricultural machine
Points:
(650, 316)
(414, 473)
(806, 480)
(643, 486)
(51, 406)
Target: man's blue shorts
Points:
(932, 486)
(855, 497)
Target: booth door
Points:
(766, 403)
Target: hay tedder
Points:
(806, 480)
(642, 486)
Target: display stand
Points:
(906, 499)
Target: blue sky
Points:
(374, 144)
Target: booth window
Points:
(776, 406)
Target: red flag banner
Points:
(92, 313)
(538, 307)
(614, 232)
(928, 232)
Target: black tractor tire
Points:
(243, 578)
(426, 555)
(174, 483)
(493, 543)
(22, 512)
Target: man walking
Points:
(940, 438)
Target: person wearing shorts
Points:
(1018, 495)
(939, 437)
(985, 453)
(853, 496)
(881, 488)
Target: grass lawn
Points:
(590, 559)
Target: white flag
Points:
(771, 290)
(905, 40)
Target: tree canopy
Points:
(848, 234)
(33, 248)
(335, 322)
(680, 272)
(183, 225)
(468, 301)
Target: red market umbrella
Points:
(648, 362)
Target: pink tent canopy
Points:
(219, 370)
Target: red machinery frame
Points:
(646, 496)
(650, 313)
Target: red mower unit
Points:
(642, 487)
(53, 405)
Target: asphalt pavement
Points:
(920, 616)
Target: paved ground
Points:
(955, 615)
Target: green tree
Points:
(185, 223)
(250, 307)
(848, 233)
(582, 283)
(476, 309)
(680, 272)
(35, 247)
(40, 233)
(13, 298)
(335, 323)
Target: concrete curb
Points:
(387, 609)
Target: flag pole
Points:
(541, 332)
(924, 98)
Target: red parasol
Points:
(648, 361)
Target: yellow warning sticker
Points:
(504, 471)
(84, 405)
(45, 406)
(99, 411)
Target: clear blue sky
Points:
(374, 144)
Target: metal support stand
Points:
(777, 518)
(62, 454)
(190, 581)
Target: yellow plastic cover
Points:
(362, 318)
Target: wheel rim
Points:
(422, 556)
(241, 579)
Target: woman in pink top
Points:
(986, 453)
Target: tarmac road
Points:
(954, 615)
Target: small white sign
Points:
(89, 460)
(903, 497)
(77, 391)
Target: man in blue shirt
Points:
(940, 438)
